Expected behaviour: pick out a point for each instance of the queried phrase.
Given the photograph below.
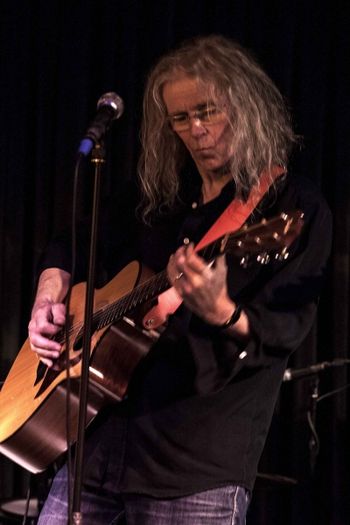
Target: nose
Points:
(196, 127)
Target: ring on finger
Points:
(178, 276)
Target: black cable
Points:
(25, 515)
(332, 392)
(67, 334)
(316, 439)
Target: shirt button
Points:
(186, 240)
(194, 205)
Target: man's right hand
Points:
(47, 320)
(48, 314)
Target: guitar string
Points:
(142, 292)
(114, 311)
(110, 313)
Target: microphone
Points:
(298, 373)
(109, 107)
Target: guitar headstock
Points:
(269, 238)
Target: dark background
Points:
(57, 58)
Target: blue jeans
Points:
(220, 506)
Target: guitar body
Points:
(33, 397)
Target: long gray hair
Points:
(261, 130)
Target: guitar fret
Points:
(141, 294)
(244, 241)
(266, 236)
(211, 250)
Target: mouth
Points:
(204, 150)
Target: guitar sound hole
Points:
(40, 372)
(78, 343)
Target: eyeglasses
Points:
(209, 115)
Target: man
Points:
(183, 448)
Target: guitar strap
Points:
(232, 218)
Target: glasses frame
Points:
(207, 116)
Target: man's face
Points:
(202, 127)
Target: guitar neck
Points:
(140, 295)
(272, 236)
(144, 292)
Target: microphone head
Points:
(113, 101)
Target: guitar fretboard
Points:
(143, 293)
(265, 237)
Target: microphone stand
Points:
(314, 444)
(98, 158)
(313, 371)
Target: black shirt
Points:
(200, 404)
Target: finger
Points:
(171, 267)
(179, 259)
(42, 353)
(48, 319)
(197, 274)
(175, 265)
(59, 314)
(220, 262)
(45, 356)
(193, 261)
(40, 342)
(46, 362)
(189, 283)
(43, 328)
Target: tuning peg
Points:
(245, 261)
(263, 258)
(283, 255)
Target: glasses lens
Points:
(211, 114)
(208, 115)
(179, 122)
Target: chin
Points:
(212, 164)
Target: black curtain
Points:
(57, 58)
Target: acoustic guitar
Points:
(33, 397)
